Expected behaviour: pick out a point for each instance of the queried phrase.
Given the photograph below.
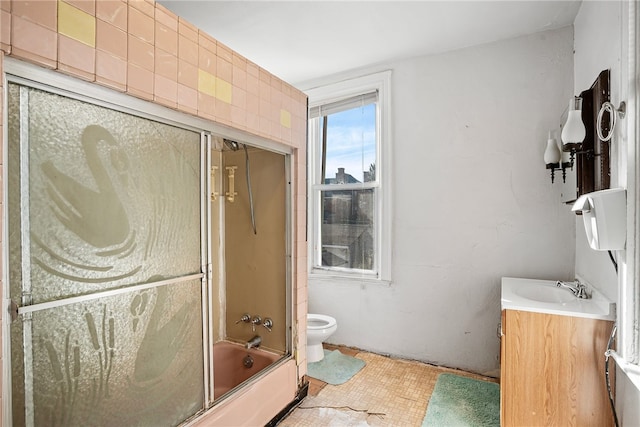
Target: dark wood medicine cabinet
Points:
(591, 168)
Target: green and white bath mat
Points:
(461, 401)
(336, 368)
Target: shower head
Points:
(232, 145)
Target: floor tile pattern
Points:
(386, 392)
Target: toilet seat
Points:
(319, 321)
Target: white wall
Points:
(598, 45)
(601, 42)
(472, 201)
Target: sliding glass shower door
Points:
(105, 265)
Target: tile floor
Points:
(386, 392)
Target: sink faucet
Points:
(253, 342)
(577, 289)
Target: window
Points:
(348, 178)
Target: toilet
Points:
(319, 328)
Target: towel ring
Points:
(608, 107)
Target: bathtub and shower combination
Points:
(137, 274)
(234, 364)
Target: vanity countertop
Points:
(543, 296)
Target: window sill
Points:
(631, 370)
(322, 277)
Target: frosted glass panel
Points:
(98, 200)
(113, 199)
(131, 359)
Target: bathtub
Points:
(229, 369)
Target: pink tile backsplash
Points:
(166, 17)
(187, 74)
(224, 52)
(166, 90)
(187, 49)
(239, 78)
(222, 112)
(166, 38)
(84, 5)
(5, 30)
(139, 81)
(207, 59)
(44, 13)
(111, 39)
(187, 99)
(141, 25)
(111, 70)
(238, 117)
(206, 106)
(188, 30)
(114, 12)
(253, 84)
(144, 6)
(253, 103)
(224, 69)
(253, 69)
(140, 53)
(34, 42)
(207, 42)
(76, 57)
(166, 65)
(264, 76)
(253, 120)
(264, 90)
(239, 99)
(239, 61)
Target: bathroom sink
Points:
(545, 293)
(543, 296)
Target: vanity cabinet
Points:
(552, 370)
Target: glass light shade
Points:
(574, 131)
(552, 152)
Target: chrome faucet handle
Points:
(255, 321)
(268, 324)
(246, 318)
(581, 291)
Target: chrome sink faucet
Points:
(576, 288)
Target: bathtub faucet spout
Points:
(253, 342)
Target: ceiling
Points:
(305, 40)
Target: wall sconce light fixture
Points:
(573, 132)
(552, 156)
(608, 107)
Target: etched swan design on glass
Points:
(97, 217)
(93, 211)
(163, 338)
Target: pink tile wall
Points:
(143, 49)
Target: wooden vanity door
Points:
(553, 370)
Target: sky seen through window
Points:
(351, 141)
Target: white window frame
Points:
(318, 96)
(627, 355)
